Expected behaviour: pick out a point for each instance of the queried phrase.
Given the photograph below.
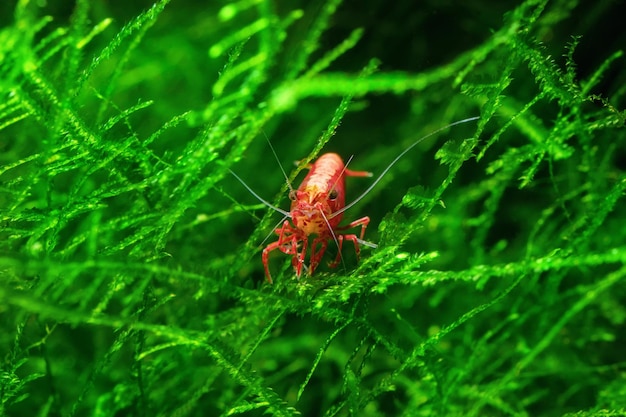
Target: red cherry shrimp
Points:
(317, 208)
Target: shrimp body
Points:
(316, 210)
(321, 193)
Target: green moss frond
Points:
(131, 280)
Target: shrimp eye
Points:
(333, 194)
(292, 195)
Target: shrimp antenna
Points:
(273, 229)
(345, 166)
(278, 160)
(261, 199)
(332, 233)
(258, 197)
(414, 144)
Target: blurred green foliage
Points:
(130, 274)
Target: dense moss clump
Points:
(131, 280)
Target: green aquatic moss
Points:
(130, 268)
